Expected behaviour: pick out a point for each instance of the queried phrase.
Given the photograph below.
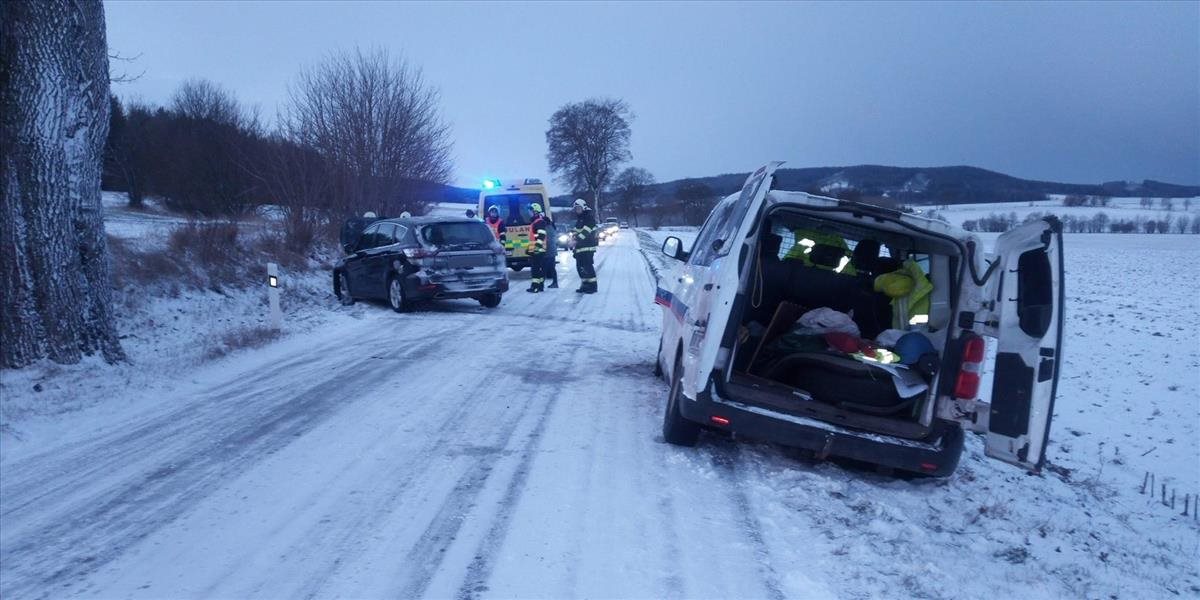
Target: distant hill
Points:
(932, 185)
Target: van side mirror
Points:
(673, 247)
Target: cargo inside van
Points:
(828, 296)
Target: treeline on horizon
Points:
(359, 131)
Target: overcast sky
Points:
(1071, 92)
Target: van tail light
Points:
(419, 253)
(966, 387)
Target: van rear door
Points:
(1028, 291)
(712, 276)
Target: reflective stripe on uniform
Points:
(536, 279)
(588, 280)
(581, 250)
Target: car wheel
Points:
(676, 429)
(489, 300)
(396, 297)
(343, 291)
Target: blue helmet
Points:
(911, 346)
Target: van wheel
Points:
(676, 429)
(489, 300)
(343, 290)
(396, 297)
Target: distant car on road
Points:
(420, 258)
(624, 225)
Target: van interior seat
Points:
(815, 287)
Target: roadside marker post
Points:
(275, 317)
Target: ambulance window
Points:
(513, 208)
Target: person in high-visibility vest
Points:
(496, 224)
(585, 246)
(537, 249)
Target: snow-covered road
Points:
(460, 452)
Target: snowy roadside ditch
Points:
(189, 296)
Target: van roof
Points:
(777, 197)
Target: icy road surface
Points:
(459, 452)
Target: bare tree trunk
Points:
(54, 286)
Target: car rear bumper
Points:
(425, 289)
(936, 455)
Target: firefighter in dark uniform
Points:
(537, 248)
(585, 246)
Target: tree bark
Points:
(54, 271)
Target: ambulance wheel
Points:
(489, 300)
(676, 429)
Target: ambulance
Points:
(514, 199)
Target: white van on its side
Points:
(736, 361)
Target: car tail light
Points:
(719, 420)
(966, 387)
(419, 253)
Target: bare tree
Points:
(205, 100)
(205, 161)
(54, 97)
(586, 143)
(377, 123)
(630, 187)
(295, 178)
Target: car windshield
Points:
(514, 208)
(457, 234)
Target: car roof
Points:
(427, 220)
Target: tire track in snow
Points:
(31, 482)
(725, 459)
(104, 527)
(429, 551)
(399, 481)
(480, 568)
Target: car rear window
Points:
(457, 234)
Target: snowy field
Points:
(1118, 209)
(444, 454)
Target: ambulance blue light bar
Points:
(491, 183)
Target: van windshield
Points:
(473, 234)
(514, 208)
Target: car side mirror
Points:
(673, 247)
